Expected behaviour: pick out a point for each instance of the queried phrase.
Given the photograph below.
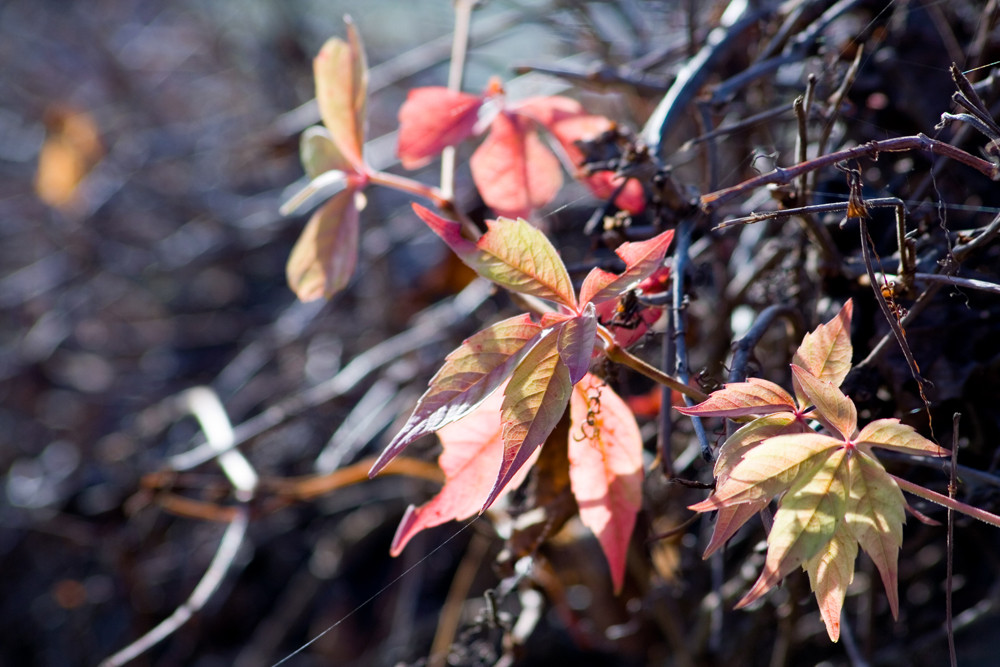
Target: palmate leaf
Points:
(433, 118)
(469, 374)
(513, 169)
(770, 468)
(806, 520)
(512, 254)
(472, 449)
(605, 469)
(341, 72)
(741, 399)
(323, 259)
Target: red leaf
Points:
(322, 261)
(534, 401)
(433, 118)
(471, 452)
(603, 184)
(740, 399)
(566, 120)
(470, 374)
(605, 469)
(626, 334)
(513, 170)
(641, 260)
(341, 73)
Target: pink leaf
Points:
(641, 259)
(513, 170)
(835, 410)
(890, 434)
(566, 120)
(322, 261)
(729, 520)
(637, 325)
(605, 469)
(534, 402)
(341, 73)
(471, 452)
(831, 571)
(433, 118)
(739, 399)
(470, 374)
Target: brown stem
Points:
(619, 355)
(784, 176)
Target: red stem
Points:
(945, 501)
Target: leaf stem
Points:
(945, 501)
(619, 355)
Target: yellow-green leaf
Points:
(534, 401)
(890, 434)
(341, 73)
(323, 259)
(770, 468)
(875, 516)
(740, 399)
(806, 520)
(831, 571)
(826, 352)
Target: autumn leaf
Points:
(323, 259)
(833, 409)
(472, 449)
(534, 400)
(469, 374)
(512, 254)
(605, 457)
(831, 571)
(741, 399)
(514, 170)
(341, 73)
(892, 435)
(641, 259)
(826, 352)
(433, 118)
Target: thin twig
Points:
(950, 540)
(456, 72)
(204, 404)
(783, 176)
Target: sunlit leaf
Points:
(641, 259)
(470, 458)
(770, 468)
(605, 468)
(831, 571)
(890, 434)
(826, 352)
(329, 183)
(739, 399)
(750, 435)
(322, 261)
(470, 373)
(805, 521)
(833, 408)
(433, 118)
(534, 401)
(729, 520)
(604, 184)
(341, 73)
(513, 170)
(875, 516)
